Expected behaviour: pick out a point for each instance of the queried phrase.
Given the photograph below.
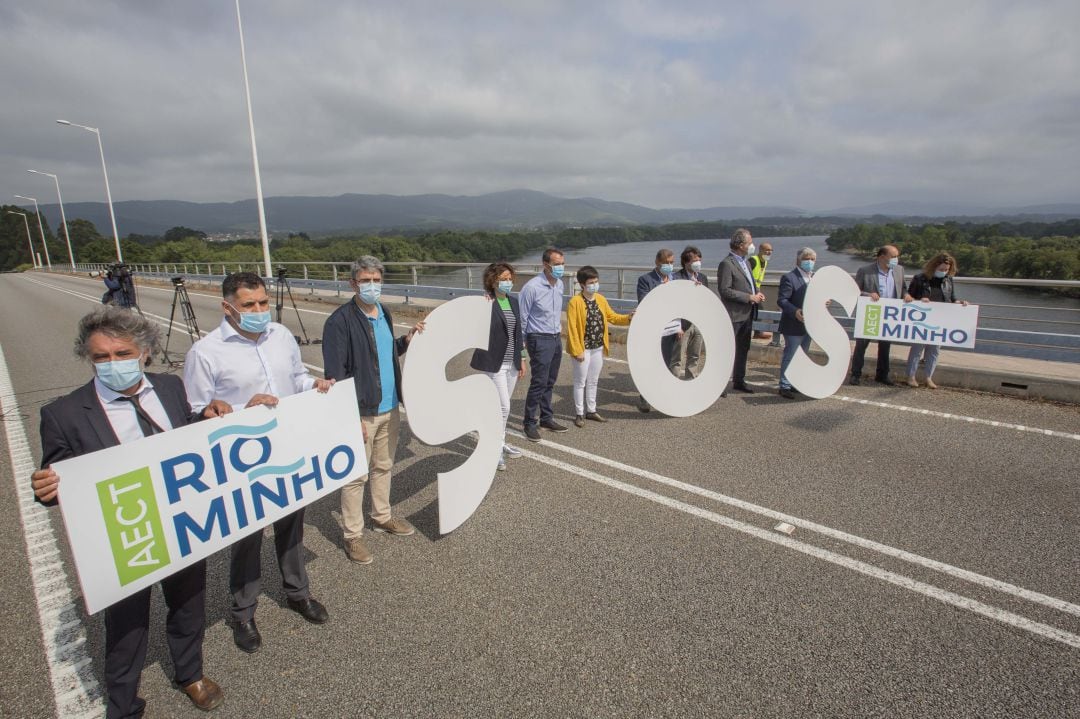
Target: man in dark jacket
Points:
(122, 404)
(790, 298)
(741, 297)
(882, 278)
(359, 344)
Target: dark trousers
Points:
(669, 345)
(245, 567)
(744, 330)
(858, 358)
(127, 624)
(545, 358)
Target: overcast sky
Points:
(658, 102)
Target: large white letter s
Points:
(440, 411)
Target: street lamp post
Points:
(108, 193)
(41, 228)
(63, 217)
(254, 151)
(29, 241)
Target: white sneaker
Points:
(502, 465)
(511, 452)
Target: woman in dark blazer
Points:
(933, 284)
(501, 361)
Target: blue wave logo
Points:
(242, 431)
(278, 470)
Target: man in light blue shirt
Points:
(541, 302)
(249, 360)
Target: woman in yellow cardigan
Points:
(587, 318)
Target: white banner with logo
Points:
(927, 323)
(141, 511)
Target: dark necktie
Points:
(146, 422)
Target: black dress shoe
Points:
(855, 381)
(532, 432)
(742, 387)
(553, 426)
(787, 392)
(310, 609)
(885, 381)
(246, 635)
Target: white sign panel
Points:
(661, 389)
(440, 411)
(138, 512)
(928, 323)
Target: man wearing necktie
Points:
(120, 405)
(246, 361)
(741, 297)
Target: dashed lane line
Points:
(928, 590)
(76, 692)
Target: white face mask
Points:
(592, 288)
(696, 265)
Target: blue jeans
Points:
(791, 344)
(929, 353)
(545, 358)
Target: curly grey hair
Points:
(804, 253)
(119, 323)
(367, 262)
(738, 237)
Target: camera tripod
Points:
(282, 287)
(180, 295)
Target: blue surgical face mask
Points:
(369, 292)
(894, 261)
(119, 375)
(667, 268)
(505, 286)
(254, 322)
(557, 271)
(807, 265)
(592, 288)
(696, 265)
(939, 274)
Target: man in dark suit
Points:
(741, 297)
(791, 296)
(121, 404)
(882, 278)
(660, 275)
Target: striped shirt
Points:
(511, 330)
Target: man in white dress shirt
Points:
(249, 360)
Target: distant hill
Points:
(513, 209)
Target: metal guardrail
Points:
(448, 280)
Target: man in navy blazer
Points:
(741, 297)
(790, 298)
(122, 404)
(882, 278)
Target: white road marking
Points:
(900, 580)
(75, 691)
(800, 523)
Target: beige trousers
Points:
(380, 446)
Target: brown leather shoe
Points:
(357, 551)
(395, 525)
(204, 694)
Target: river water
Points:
(1000, 307)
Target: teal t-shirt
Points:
(384, 344)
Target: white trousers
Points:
(505, 380)
(586, 377)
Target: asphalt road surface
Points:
(629, 569)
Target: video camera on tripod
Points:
(191, 325)
(120, 286)
(282, 287)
